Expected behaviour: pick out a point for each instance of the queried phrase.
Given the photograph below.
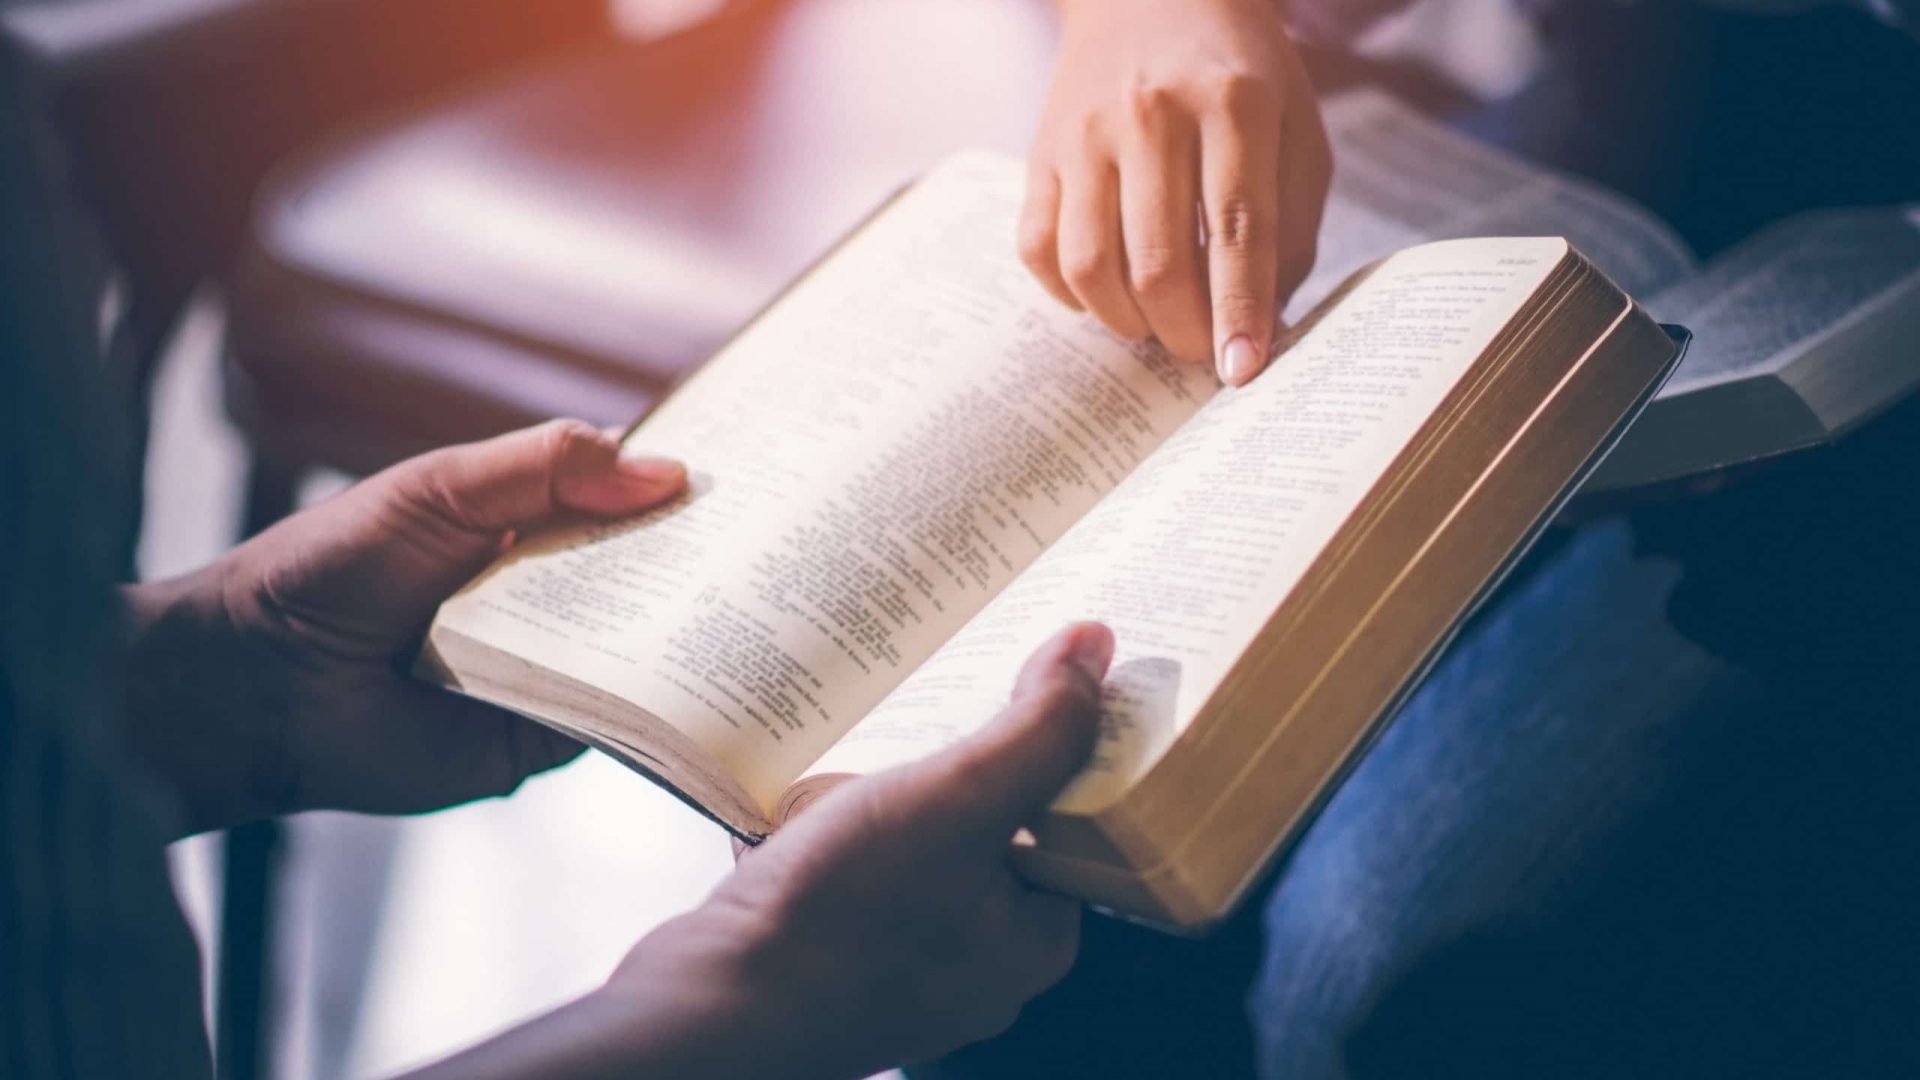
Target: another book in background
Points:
(914, 466)
(1804, 331)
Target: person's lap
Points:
(1395, 859)
(1558, 714)
(1590, 848)
(1586, 846)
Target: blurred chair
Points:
(570, 236)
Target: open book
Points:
(1803, 331)
(914, 467)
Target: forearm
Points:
(574, 1042)
(680, 1007)
(194, 711)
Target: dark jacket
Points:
(99, 976)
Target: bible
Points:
(914, 466)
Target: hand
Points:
(275, 679)
(885, 925)
(882, 926)
(1158, 106)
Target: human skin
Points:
(1167, 120)
(884, 925)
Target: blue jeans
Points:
(1589, 847)
(1586, 847)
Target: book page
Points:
(1401, 179)
(1774, 295)
(871, 461)
(1192, 555)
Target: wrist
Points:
(724, 991)
(699, 980)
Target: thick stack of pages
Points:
(914, 467)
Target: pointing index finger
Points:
(1240, 186)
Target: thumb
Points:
(528, 476)
(387, 552)
(1003, 777)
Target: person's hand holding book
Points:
(1167, 120)
(884, 925)
(275, 679)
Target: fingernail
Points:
(651, 472)
(1238, 363)
(1091, 650)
